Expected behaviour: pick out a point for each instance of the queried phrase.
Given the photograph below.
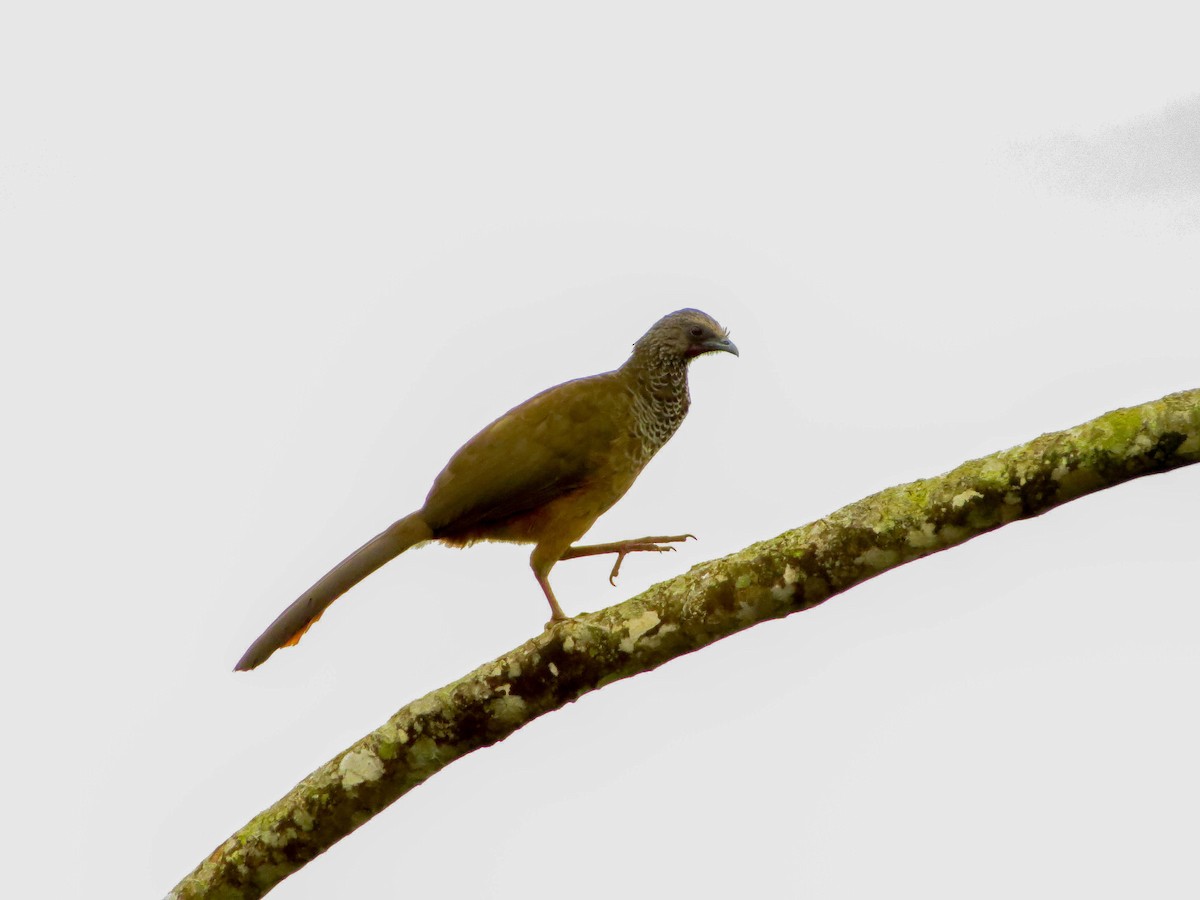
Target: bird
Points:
(540, 474)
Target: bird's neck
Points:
(658, 383)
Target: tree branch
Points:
(768, 580)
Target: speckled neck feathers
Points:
(657, 376)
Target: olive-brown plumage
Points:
(541, 474)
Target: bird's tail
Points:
(299, 617)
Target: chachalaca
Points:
(540, 474)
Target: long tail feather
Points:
(299, 617)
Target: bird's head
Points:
(687, 333)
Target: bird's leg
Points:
(556, 613)
(622, 549)
(542, 560)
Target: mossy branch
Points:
(768, 580)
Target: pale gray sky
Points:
(266, 266)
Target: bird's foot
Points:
(658, 544)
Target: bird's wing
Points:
(548, 446)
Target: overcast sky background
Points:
(266, 266)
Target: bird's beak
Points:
(724, 344)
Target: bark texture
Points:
(792, 572)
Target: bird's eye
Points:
(697, 331)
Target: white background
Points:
(265, 266)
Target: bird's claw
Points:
(643, 547)
(616, 569)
